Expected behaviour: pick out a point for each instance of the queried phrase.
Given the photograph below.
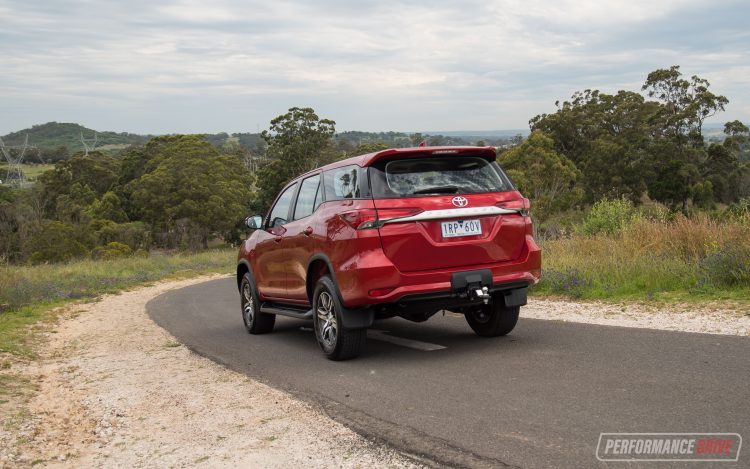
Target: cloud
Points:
(191, 66)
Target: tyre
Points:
(255, 321)
(336, 342)
(492, 320)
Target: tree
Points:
(606, 137)
(686, 103)
(545, 176)
(365, 148)
(190, 192)
(81, 179)
(626, 145)
(298, 141)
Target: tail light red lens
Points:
(521, 205)
(357, 218)
(368, 218)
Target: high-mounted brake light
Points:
(522, 206)
(444, 152)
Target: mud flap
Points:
(516, 297)
(357, 318)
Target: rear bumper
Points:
(380, 274)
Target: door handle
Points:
(308, 231)
(278, 239)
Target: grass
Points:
(685, 259)
(27, 293)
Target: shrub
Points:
(54, 241)
(113, 250)
(740, 211)
(609, 217)
(727, 267)
(571, 282)
(135, 234)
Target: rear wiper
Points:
(438, 190)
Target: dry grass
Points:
(689, 257)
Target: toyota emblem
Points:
(460, 201)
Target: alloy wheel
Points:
(326, 317)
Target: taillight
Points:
(360, 219)
(522, 206)
(368, 218)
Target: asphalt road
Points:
(538, 397)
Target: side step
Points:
(283, 310)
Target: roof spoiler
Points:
(489, 153)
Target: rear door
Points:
(446, 210)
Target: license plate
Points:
(454, 229)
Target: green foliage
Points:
(543, 175)
(626, 145)
(298, 141)
(108, 207)
(136, 235)
(54, 241)
(364, 148)
(740, 211)
(609, 217)
(189, 192)
(110, 251)
(76, 183)
(729, 266)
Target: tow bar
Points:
(481, 293)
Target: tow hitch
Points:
(473, 284)
(480, 293)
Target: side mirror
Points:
(254, 222)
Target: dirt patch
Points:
(707, 318)
(114, 389)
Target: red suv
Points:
(401, 232)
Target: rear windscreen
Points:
(414, 177)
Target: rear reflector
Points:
(381, 291)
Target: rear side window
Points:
(434, 176)
(343, 183)
(309, 197)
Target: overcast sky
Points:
(224, 65)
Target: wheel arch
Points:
(243, 267)
(318, 266)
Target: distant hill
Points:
(55, 134)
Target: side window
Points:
(280, 211)
(308, 197)
(342, 183)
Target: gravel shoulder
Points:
(111, 388)
(114, 389)
(708, 318)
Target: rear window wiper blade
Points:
(438, 190)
